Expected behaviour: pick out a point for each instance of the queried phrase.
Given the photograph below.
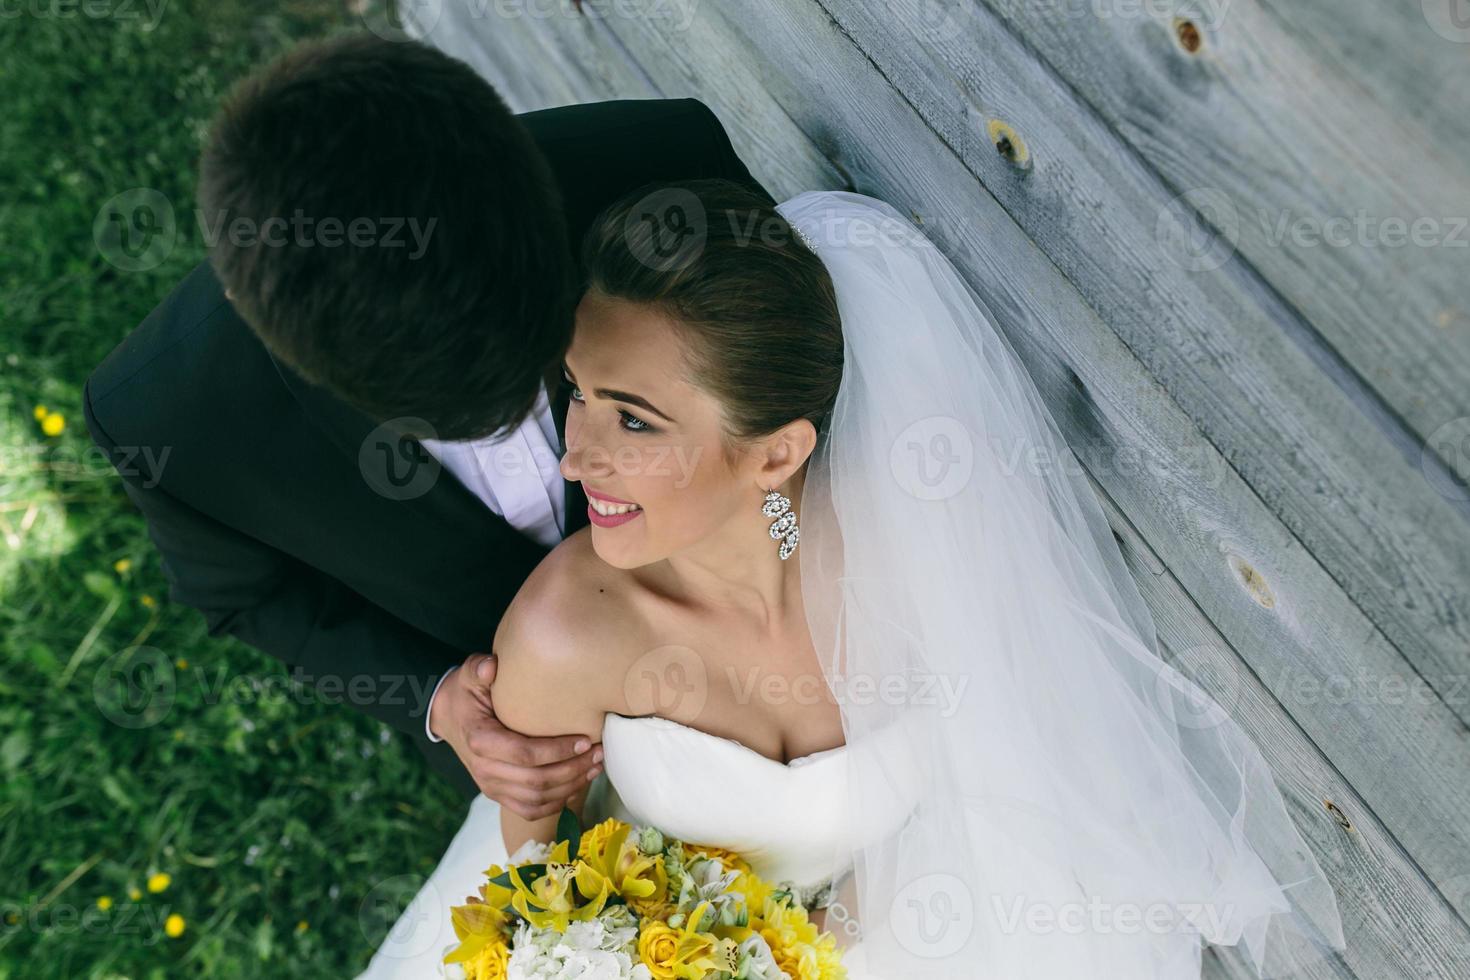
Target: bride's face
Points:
(638, 431)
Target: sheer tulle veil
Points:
(1081, 808)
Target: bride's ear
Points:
(785, 450)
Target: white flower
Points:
(756, 961)
(602, 949)
(532, 852)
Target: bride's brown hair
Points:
(757, 307)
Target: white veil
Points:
(1083, 810)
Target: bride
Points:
(945, 724)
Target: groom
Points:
(351, 415)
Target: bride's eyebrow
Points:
(621, 396)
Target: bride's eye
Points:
(633, 423)
(629, 421)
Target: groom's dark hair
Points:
(456, 289)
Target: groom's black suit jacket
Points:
(255, 484)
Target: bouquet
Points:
(622, 901)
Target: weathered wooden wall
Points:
(1278, 424)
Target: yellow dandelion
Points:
(173, 926)
(148, 601)
(134, 894)
(40, 412)
(122, 566)
(158, 882)
(53, 424)
(104, 902)
(301, 927)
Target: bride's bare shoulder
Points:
(560, 644)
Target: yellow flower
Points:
(301, 927)
(53, 424)
(700, 953)
(173, 926)
(148, 601)
(158, 882)
(550, 900)
(134, 894)
(482, 929)
(40, 412)
(800, 950)
(594, 839)
(105, 902)
(614, 862)
(755, 890)
(657, 946)
(122, 566)
(492, 963)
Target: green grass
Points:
(293, 830)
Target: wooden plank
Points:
(1258, 121)
(531, 67)
(1396, 922)
(535, 68)
(1412, 57)
(1284, 412)
(1111, 403)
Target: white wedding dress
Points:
(1073, 808)
(792, 822)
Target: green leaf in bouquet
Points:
(528, 872)
(569, 829)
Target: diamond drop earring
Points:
(783, 528)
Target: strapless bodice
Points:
(797, 822)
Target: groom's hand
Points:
(533, 777)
